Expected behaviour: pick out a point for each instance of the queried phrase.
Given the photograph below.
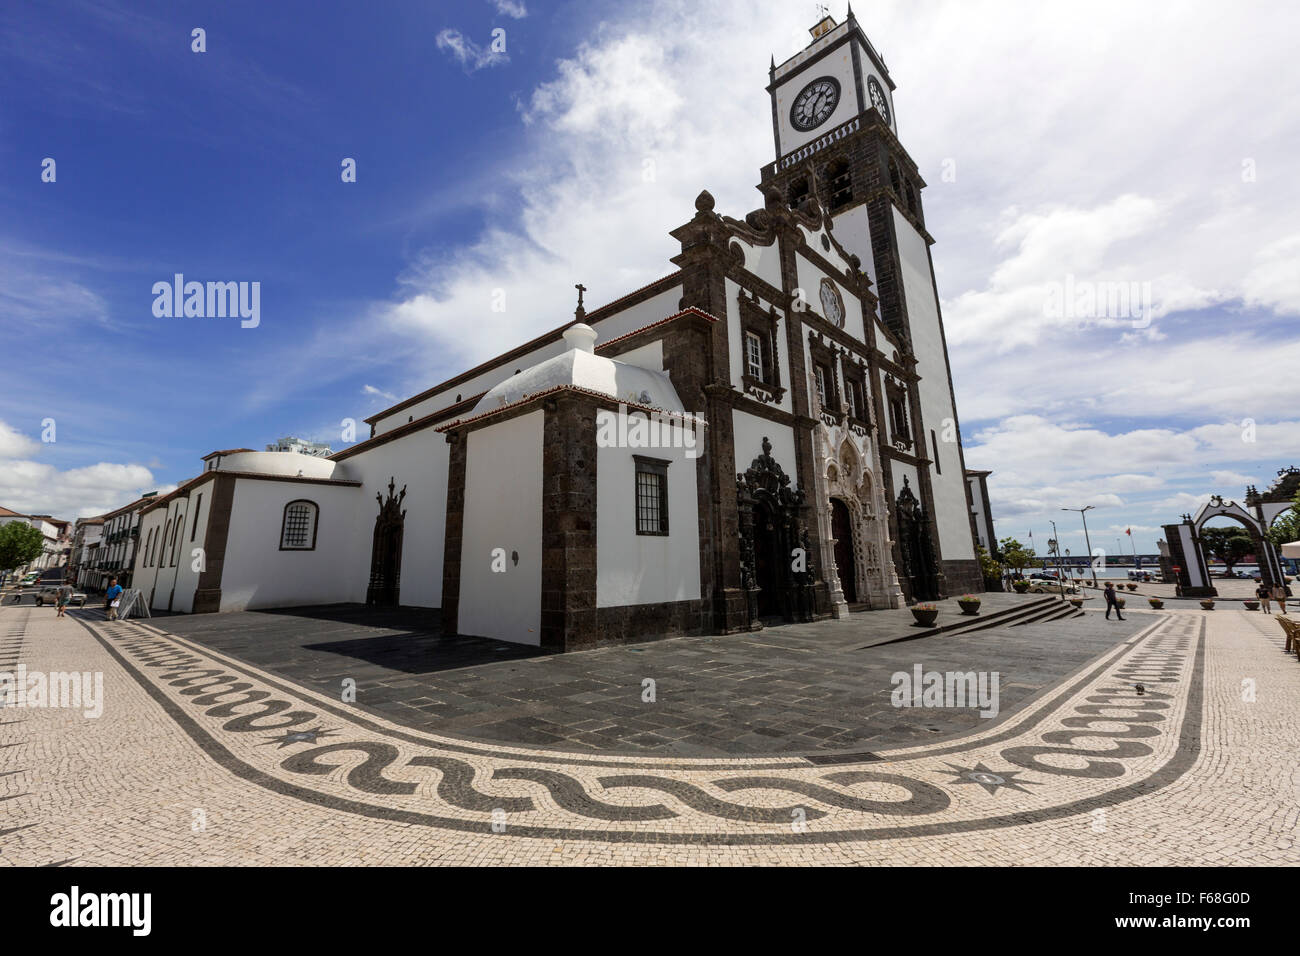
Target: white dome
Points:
(582, 367)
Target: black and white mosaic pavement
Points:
(1087, 743)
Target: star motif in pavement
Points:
(987, 779)
(300, 736)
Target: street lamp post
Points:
(1083, 515)
(1056, 553)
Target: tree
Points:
(1286, 527)
(1229, 545)
(990, 569)
(19, 544)
(1015, 555)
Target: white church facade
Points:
(766, 433)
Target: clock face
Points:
(815, 103)
(877, 94)
(832, 304)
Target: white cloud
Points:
(35, 487)
(510, 8)
(468, 53)
(378, 393)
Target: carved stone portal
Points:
(919, 571)
(776, 560)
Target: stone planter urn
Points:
(969, 604)
(1208, 604)
(925, 614)
(1120, 602)
(1077, 602)
(1251, 605)
(1021, 587)
(1132, 586)
(1156, 603)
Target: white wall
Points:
(419, 462)
(646, 569)
(749, 431)
(503, 509)
(257, 574)
(810, 278)
(936, 395)
(853, 231)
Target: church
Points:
(767, 433)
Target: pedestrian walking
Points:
(1262, 593)
(1279, 595)
(112, 598)
(1112, 601)
(63, 596)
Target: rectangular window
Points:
(754, 355)
(823, 384)
(857, 406)
(935, 442)
(651, 495)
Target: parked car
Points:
(1051, 587)
(1043, 576)
(49, 594)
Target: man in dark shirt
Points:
(1112, 601)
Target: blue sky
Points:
(1097, 144)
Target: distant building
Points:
(302, 446)
(980, 516)
(119, 540)
(54, 530)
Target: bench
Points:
(1292, 629)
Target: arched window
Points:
(148, 546)
(841, 184)
(298, 529)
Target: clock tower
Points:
(835, 129)
(836, 137)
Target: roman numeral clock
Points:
(815, 103)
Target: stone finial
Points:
(704, 201)
(580, 336)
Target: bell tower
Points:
(836, 137)
(835, 129)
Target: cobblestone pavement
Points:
(201, 759)
(783, 690)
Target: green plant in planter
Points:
(969, 604)
(1119, 601)
(1208, 604)
(1251, 605)
(925, 614)
(1077, 601)
(1021, 587)
(1132, 586)
(1156, 603)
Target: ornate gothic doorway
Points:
(386, 550)
(917, 571)
(777, 565)
(842, 532)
